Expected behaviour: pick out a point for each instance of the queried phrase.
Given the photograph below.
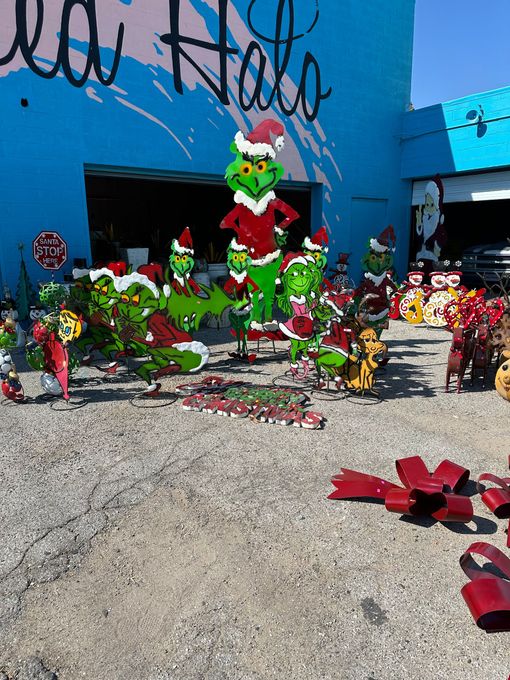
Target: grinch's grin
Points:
(262, 189)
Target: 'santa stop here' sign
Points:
(49, 250)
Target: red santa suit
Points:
(254, 224)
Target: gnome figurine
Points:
(253, 176)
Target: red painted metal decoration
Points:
(282, 406)
(496, 498)
(423, 493)
(487, 595)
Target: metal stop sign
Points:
(49, 250)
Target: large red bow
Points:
(496, 499)
(487, 595)
(423, 493)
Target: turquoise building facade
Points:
(157, 90)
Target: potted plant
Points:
(216, 264)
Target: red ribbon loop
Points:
(423, 493)
(496, 499)
(487, 595)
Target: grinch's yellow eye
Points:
(235, 257)
(177, 258)
(242, 257)
(104, 290)
(135, 299)
(184, 258)
(124, 298)
(88, 286)
(373, 257)
(78, 284)
(246, 169)
(317, 256)
(261, 166)
(96, 288)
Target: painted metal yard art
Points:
(423, 493)
(430, 224)
(471, 319)
(376, 287)
(148, 315)
(237, 399)
(253, 176)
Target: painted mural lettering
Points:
(282, 42)
(281, 62)
(28, 44)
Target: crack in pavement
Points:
(17, 581)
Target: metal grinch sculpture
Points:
(376, 287)
(252, 176)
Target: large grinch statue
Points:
(253, 176)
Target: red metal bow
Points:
(487, 595)
(423, 493)
(496, 499)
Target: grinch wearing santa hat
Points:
(317, 247)
(253, 176)
(181, 263)
(373, 293)
(430, 223)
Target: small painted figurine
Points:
(317, 247)
(360, 371)
(242, 288)
(253, 176)
(11, 384)
(341, 278)
(376, 287)
(182, 263)
(300, 279)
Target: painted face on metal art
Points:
(377, 263)
(319, 256)
(301, 279)
(429, 206)
(255, 176)
(69, 326)
(238, 261)
(181, 263)
(137, 303)
(104, 296)
(503, 380)
(80, 291)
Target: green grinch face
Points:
(137, 303)
(319, 257)
(181, 263)
(377, 263)
(238, 261)
(300, 279)
(255, 176)
(104, 296)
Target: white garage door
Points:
(488, 186)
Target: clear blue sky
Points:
(461, 47)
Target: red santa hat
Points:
(343, 258)
(258, 142)
(293, 258)
(113, 269)
(385, 241)
(319, 241)
(184, 244)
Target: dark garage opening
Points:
(134, 212)
(469, 224)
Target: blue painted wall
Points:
(463, 135)
(351, 152)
